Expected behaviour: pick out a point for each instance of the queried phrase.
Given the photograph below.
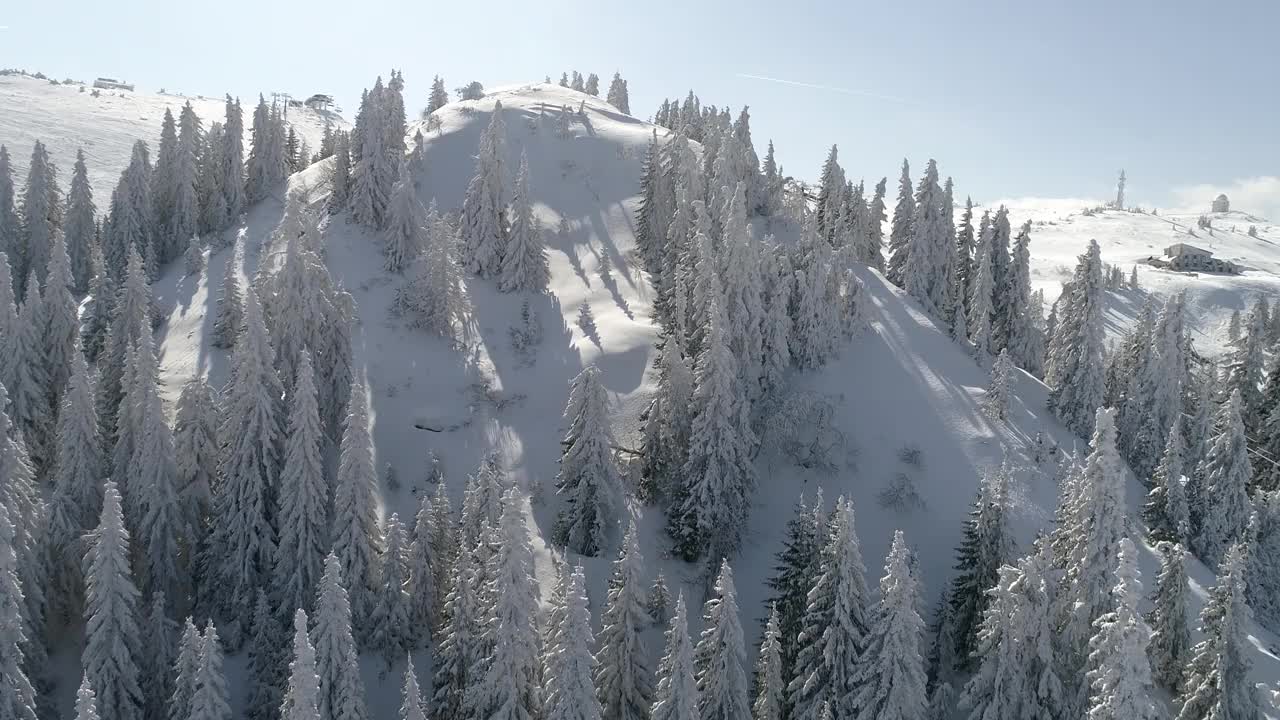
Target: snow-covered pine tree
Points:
(618, 95)
(720, 656)
(987, 544)
(509, 688)
(996, 401)
(623, 679)
(1076, 350)
(211, 699)
(775, 325)
(1170, 646)
(185, 204)
(337, 662)
(195, 432)
(570, 695)
(930, 249)
(966, 242)
(889, 680)
(997, 691)
(1166, 512)
(424, 569)
(667, 424)
(1017, 335)
(1001, 260)
(1246, 365)
(24, 360)
(17, 694)
(20, 495)
(213, 203)
(229, 314)
(186, 664)
(40, 213)
(439, 96)
(1262, 589)
(110, 657)
(433, 296)
(406, 224)
(1089, 551)
(302, 515)
(458, 655)
(524, 267)
(588, 476)
(130, 226)
(484, 216)
(302, 696)
(834, 625)
(390, 620)
(78, 226)
(657, 202)
(981, 291)
(77, 498)
(9, 223)
(795, 574)
(677, 696)
(743, 288)
(266, 166)
(830, 193)
(1035, 587)
(266, 662)
(232, 157)
(768, 704)
(1221, 511)
(86, 702)
(340, 173)
(241, 554)
(164, 180)
(1120, 678)
(710, 509)
(1216, 683)
(356, 535)
(900, 231)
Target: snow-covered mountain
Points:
(904, 398)
(67, 118)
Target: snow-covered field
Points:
(904, 396)
(105, 127)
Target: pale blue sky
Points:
(1013, 98)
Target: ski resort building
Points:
(1221, 204)
(1189, 258)
(112, 84)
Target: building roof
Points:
(1178, 248)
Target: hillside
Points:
(1060, 232)
(105, 127)
(903, 395)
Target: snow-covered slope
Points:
(904, 395)
(1060, 232)
(67, 118)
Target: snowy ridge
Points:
(906, 397)
(66, 119)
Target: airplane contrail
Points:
(829, 88)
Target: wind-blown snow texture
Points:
(906, 397)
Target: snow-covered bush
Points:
(900, 494)
(471, 91)
(803, 429)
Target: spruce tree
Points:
(569, 668)
(1216, 681)
(17, 694)
(509, 688)
(41, 214)
(796, 572)
(996, 402)
(588, 476)
(356, 535)
(667, 424)
(1166, 512)
(484, 221)
(835, 623)
(337, 663)
(458, 654)
(302, 696)
(524, 266)
(1262, 587)
(424, 569)
(77, 497)
(86, 702)
(743, 288)
(997, 689)
(439, 96)
(211, 700)
(1221, 513)
(389, 622)
(986, 546)
(1019, 329)
(78, 228)
(1170, 647)
(719, 656)
(229, 314)
(981, 289)
(1120, 678)
(9, 223)
(768, 704)
(110, 657)
(926, 270)
(303, 494)
(623, 678)
(889, 681)
(185, 666)
(21, 496)
(900, 232)
(159, 653)
(241, 554)
(1076, 351)
(195, 439)
(26, 365)
(406, 226)
(266, 662)
(677, 696)
(618, 95)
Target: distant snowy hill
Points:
(904, 397)
(66, 119)
(1060, 232)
